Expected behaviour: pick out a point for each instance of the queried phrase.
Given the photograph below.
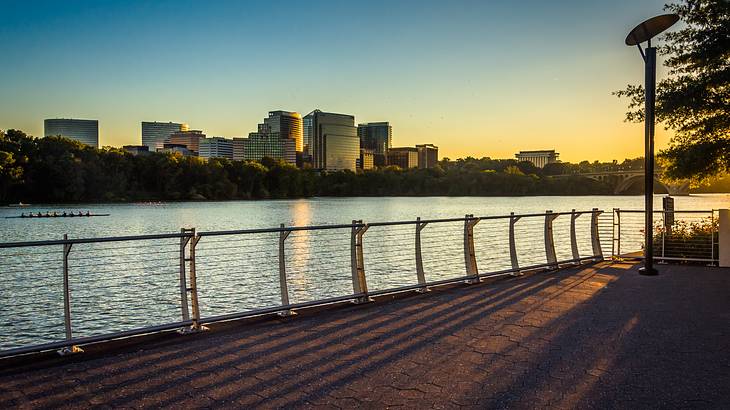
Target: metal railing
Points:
(59, 294)
(686, 236)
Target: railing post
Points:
(595, 239)
(283, 234)
(512, 244)
(67, 303)
(616, 243)
(419, 258)
(552, 261)
(184, 239)
(573, 239)
(192, 241)
(359, 283)
(470, 260)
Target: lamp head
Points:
(650, 28)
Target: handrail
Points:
(72, 241)
(193, 321)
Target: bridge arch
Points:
(626, 185)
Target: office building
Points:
(404, 157)
(377, 137)
(428, 155)
(538, 158)
(154, 134)
(136, 149)
(287, 125)
(191, 139)
(216, 147)
(334, 142)
(83, 131)
(365, 162)
(259, 145)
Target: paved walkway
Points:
(601, 337)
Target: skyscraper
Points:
(287, 124)
(334, 142)
(83, 131)
(377, 137)
(155, 133)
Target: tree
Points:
(694, 101)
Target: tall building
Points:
(308, 131)
(154, 134)
(404, 157)
(216, 147)
(83, 131)
(191, 139)
(428, 155)
(259, 145)
(287, 124)
(334, 142)
(377, 137)
(538, 158)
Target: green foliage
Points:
(60, 170)
(686, 239)
(694, 99)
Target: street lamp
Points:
(641, 33)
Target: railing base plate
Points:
(360, 301)
(70, 350)
(192, 329)
(286, 313)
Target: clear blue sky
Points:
(481, 78)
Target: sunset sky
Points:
(481, 78)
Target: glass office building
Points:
(335, 145)
(377, 137)
(286, 124)
(83, 131)
(155, 134)
(260, 145)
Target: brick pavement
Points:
(600, 336)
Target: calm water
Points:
(119, 286)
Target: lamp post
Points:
(641, 33)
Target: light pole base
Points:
(648, 272)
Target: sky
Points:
(476, 78)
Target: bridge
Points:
(632, 181)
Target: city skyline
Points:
(473, 90)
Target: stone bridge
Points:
(625, 182)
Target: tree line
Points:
(60, 170)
